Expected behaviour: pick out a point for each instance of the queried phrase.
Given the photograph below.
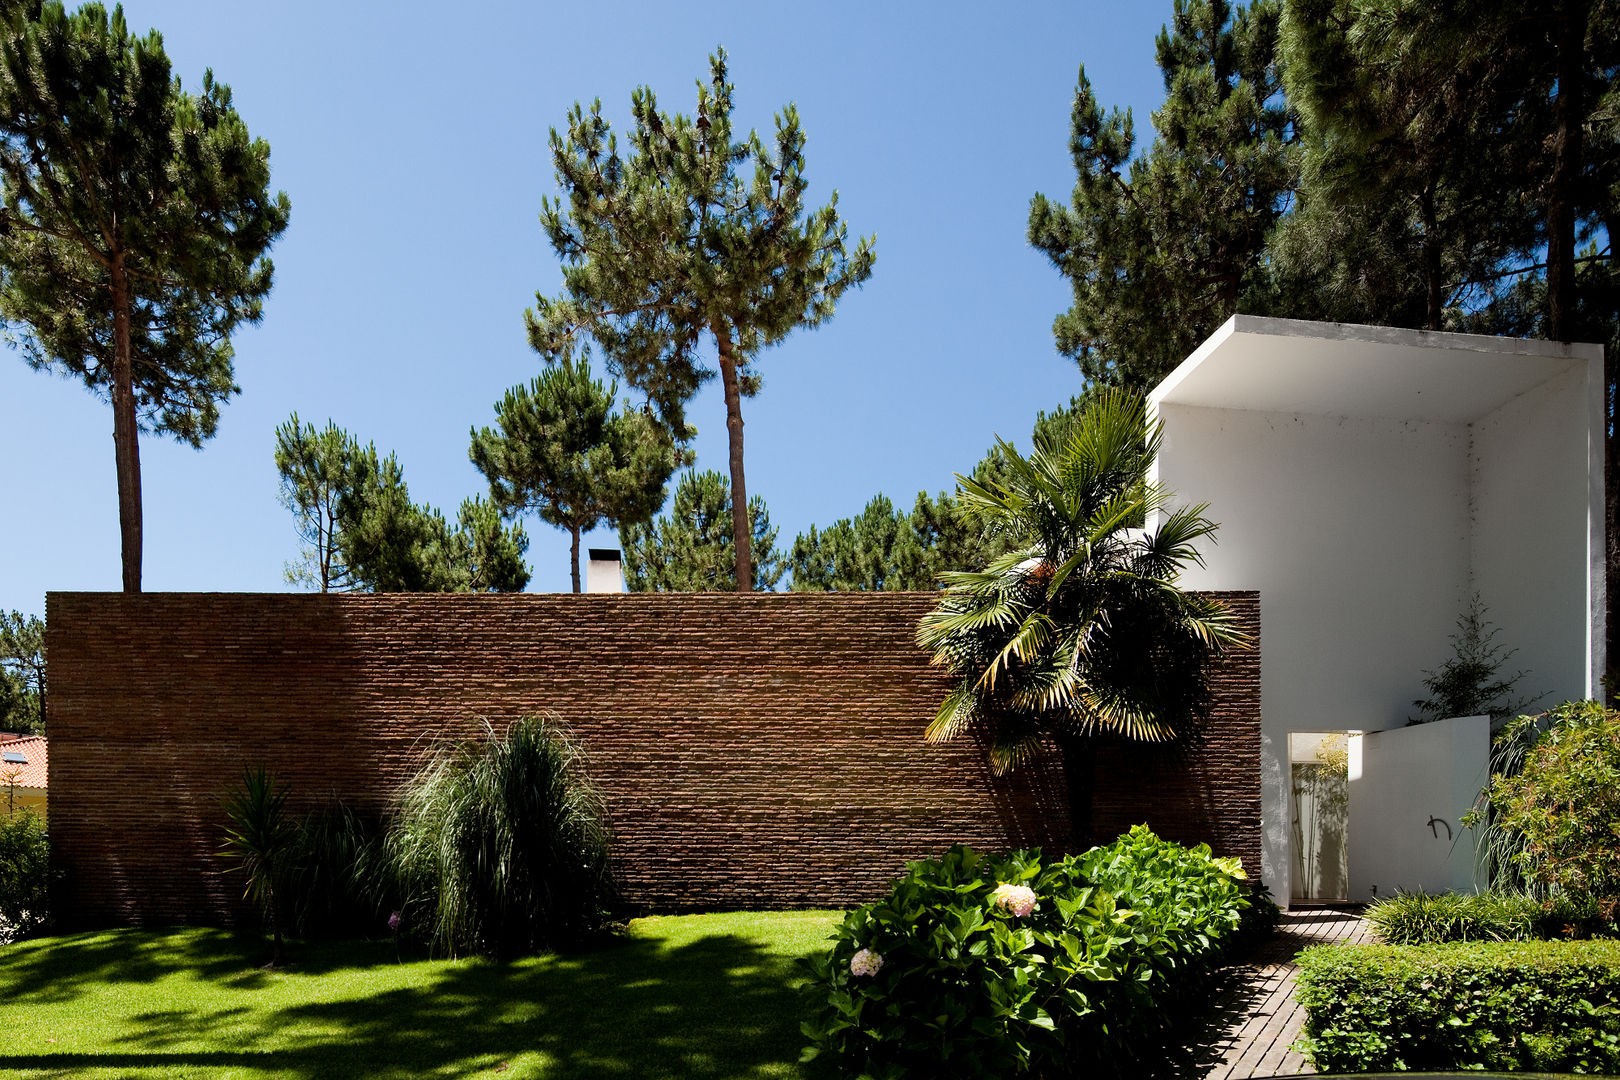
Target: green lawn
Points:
(679, 996)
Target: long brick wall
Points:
(754, 751)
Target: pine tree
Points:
(876, 550)
(22, 673)
(693, 236)
(1163, 248)
(133, 231)
(689, 549)
(361, 530)
(563, 452)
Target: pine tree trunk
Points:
(741, 533)
(1570, 33)
(126, 442)
(1432, 277)
(574, 551)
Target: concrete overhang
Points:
(1343, 369)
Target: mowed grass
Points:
(678, 996)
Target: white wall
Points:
(1401, 778)
(1530, 479)
(1355, 532)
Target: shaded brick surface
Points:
(754, 750)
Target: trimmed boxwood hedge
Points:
(1551, 1006)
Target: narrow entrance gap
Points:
(1319, 798)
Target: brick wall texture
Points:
(755, 751)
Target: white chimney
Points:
(602, 573)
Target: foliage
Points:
(501, 846)
(261, 839)
(22, 673)
(1162, 246)
(693, 236)
(563, 452)
(1079, 629)
(1565, 802)
(1421, 919)
(25, 875)
(134, 226)
(954, 974)
(362, 531)
(1540, 1006)
(877, 550)
(338, 884)
(689, 548)
(1471, 681)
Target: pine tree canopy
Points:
(361, 531)
(134, 222)
(1162, 247)
(689, 548)
(563, 452)
(695, 236)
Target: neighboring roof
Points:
(1342, 369)
(32, 770)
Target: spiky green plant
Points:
(501, 846)
(1079, 630)
(340, 886)
(262, 839)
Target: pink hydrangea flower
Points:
(865, 962)
(1018, 900)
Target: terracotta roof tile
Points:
(32, 773)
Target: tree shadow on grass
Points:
(718, 1007)
(60, 969)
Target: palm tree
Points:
(1079, 630)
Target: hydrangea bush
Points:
(977, 965)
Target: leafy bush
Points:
(1543, 1005)
(25, 875)
(339, 885)
(1565, 803)
(1421, 919)
(983, 966)
(501, 847)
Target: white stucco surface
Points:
(1368, 480)
(1409, 788)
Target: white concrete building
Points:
(1367, 482)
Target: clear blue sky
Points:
(412, 142)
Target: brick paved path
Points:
(1256, 1018)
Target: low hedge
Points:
(984, 966)
(1550, 1006)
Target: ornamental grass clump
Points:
(501, 847)
(978, 965)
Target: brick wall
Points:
(754, 750)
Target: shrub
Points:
(263, 840)
(339, 886)
(1565, 803)
(25, 875)
(1541, 1005)
(501, 847)
(984, 966)
(1421, 919)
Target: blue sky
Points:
(412, 143)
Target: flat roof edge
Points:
(1398, 335)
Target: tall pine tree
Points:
(689, 549)
(1163, 247)
(694, 236)
(563, 452)
(133, 231)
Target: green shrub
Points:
(1541, 1005)
(262, 840)
(955, 974)
(25, 875)
(339, 886)
(1565, 803)
(501, 847)
(1421, 919)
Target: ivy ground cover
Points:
(689, 996)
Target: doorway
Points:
(1319, 786)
